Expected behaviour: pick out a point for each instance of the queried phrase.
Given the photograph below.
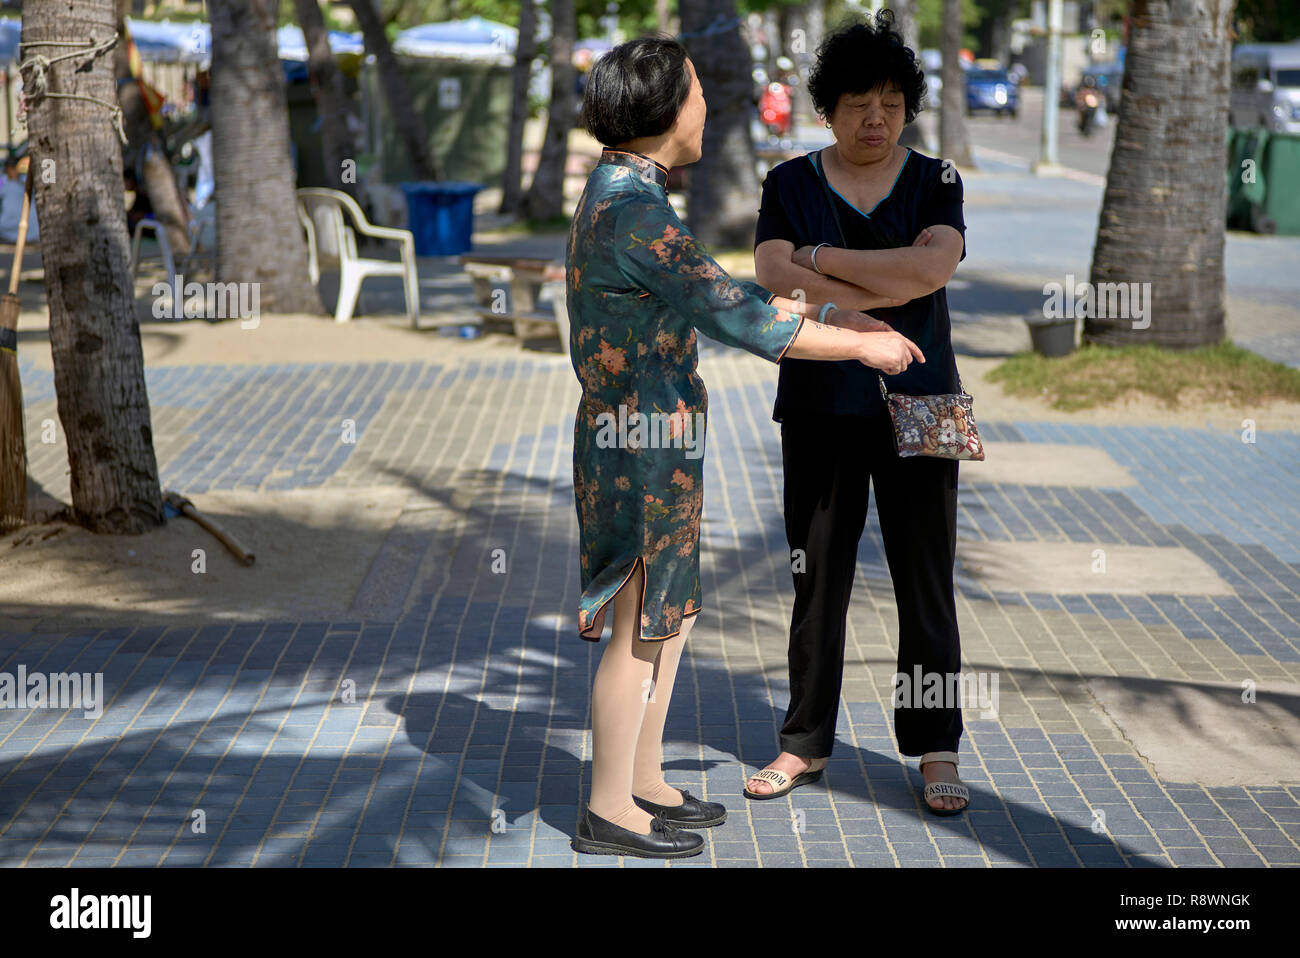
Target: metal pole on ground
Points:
(1048, 163)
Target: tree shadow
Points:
(480, 674)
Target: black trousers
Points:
(830, 462)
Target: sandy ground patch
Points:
(313, 549)
(1205, 732)
(1076, 567)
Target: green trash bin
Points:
(1241, 153)
(1265, 202)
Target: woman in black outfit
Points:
(866, 224)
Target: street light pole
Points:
(1048, 164)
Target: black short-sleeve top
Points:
(794, 207)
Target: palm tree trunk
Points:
(954, 139)
(331, 102)
(545, 198)
(724, 186)
(397, 94)
(512, 187)
(259, 239)
(1162, 218)
(94, 338)
(156, 177)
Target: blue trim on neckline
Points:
(901, 166)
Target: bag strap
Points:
(830, 200)
(961, 390)
(882, 238)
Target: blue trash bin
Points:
(440, 214)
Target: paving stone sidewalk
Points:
(467, 743)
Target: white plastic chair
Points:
(330, 237)
(202, 230)
(164, 247)
(203, 234)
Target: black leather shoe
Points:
(598, 836)
(691, 813)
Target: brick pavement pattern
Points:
(453, 730)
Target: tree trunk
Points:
(779, 26)
(397, 94)
(954, 139)
(156, 177)
(1162, 217)
(512, 187)
(259, 239)
(905, 22)
(337, 143)
(806, 55)
(76, 171)
(1000, 33)
(724, 187)
(545, 198)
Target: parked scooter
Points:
(774, 109)
(1088, 101)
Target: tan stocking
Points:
(623, 682)
(647, 771)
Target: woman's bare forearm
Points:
(906, 272)
(802, 307)
(792, 280)
(885, 350)
(823, 341)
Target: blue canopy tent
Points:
(472, 39)
(293, 46)
(9, 32)
(167, 42)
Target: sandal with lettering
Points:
(781, 782)
(944, 789)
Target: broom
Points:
(13, 441)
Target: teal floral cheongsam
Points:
(639, 285)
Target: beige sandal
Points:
(944, 789)
(781, 783)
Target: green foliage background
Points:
(1256, 20)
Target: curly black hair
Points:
(859, 57)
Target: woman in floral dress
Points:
(639, 286)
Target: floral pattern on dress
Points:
(638, 287)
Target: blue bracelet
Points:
(826, 308)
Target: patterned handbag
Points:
(941, 426)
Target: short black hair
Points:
(861, 56)
(635, 90)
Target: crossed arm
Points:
(896, 276)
